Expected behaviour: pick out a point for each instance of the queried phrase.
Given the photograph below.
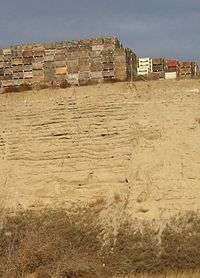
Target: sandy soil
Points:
(139, 142)
(134, 145)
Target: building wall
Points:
(63, 64)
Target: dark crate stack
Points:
(158, 67)
(63, 64)
(198, 67)
(186, 69)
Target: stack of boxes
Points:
(197, 67)
(83, 62)
(63, 64)
(171, 69)
(144, 66)
(187, 69)
(158, 67)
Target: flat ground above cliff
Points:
(132, 149)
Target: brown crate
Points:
(7, 76)
(28, 74)
(17, 82)
(7, 51)
(108, 66)
(61, 63)
(27, 67)
(16, 54)
(96, 74)
(7, 64)
(61, 70)
(1, 72)
(72, 66)
(73, 79)
(37, 79)
(50, 52)
(27, 47)
(84, 76)
(17, 68)
(39, 59)
(27, 81)
(49, 45)
(83, 61)
(98, 48)
(38, 47)
(18, 75)
(84, 64)
(96, 67)
(7, 83)
(108, 59)
(83, 54)
(8, 71)
(38, 53)
(157, 61)
(71, 55)
(120, 74)
(119, 60)
(153, 76)
(49, 75)
(83, 68)
(27, 53)
(60, 51)
(49, 58)
(38, 65)
(95, 59)
(17, 61)
(7, 58)
(60, 57)
(95, 54)
(27, 60)
(108, 73)
(38, 72)
(48, 65)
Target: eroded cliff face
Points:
(137, 146)
(123, 159)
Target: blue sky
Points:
(167, 28)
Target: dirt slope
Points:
(140, 142)
(131, 149)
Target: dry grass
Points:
(59, 243)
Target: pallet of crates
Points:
(107, 58)
(158, 67)
(197, 71)
(185, 69)
(171, 68)
(194, 69)
(120, 69)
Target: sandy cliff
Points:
(140, 142)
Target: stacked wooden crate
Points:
(171, 69)
(158, 67)
(186, 69)
(63, 64)
(197, 66)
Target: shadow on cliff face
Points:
(60, 243)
